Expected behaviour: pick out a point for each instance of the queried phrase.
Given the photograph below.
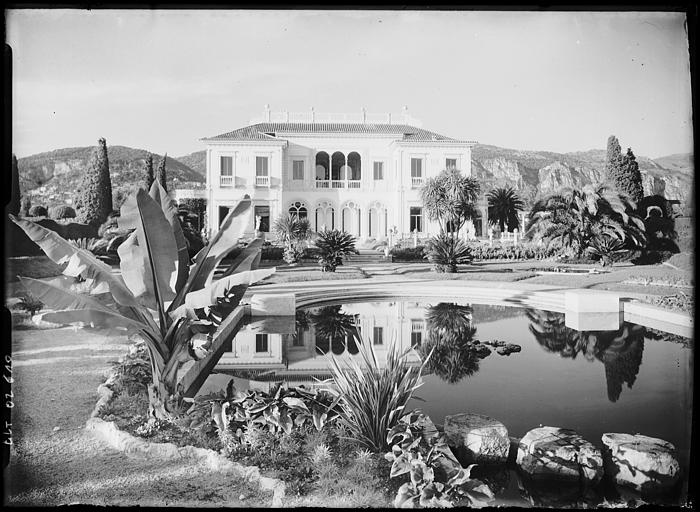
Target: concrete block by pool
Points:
(282, 304)
(592, 310)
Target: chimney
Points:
(267, 113)
(313, 116)
(364, 115)
(404, 112)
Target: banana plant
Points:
(158, 294)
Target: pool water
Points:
(632, 380)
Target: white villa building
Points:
(360, 173)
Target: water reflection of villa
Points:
(296, 349)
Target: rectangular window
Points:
(227, 166)
(378, 336)
(260, 343)
(416, 220)
(297, 169)
(378, 170)
(261, 165)
(416, 167)
(226, 171)
(450, 163)
(416, 338)
(262, 218)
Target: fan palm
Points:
(504, 205)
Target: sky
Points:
(161, 80)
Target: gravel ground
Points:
(55, 461)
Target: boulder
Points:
(552, 453)
(477, 439)
(508, 349)
(645, 463)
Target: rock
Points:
(552, 453)
(508, 349)
(56, 429)
(450, 464)
(645, 463)
(482, 351)
(477, 438)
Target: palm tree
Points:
(292, 231)
(335, 328)
(334, 246)
(449, 199)
(504, 205)
(572, 219)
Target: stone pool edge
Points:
(540, 296)
(109, 433)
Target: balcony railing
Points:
(262, 181)
(225, 181)
(339, 184)
(416, 182)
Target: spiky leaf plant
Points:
(374, 398)
(445, 252)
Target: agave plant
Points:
(157, 294)
(333, 246)
(445, 252)
(373, 399)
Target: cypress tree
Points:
(149, 171)
(630, 178)
(613, 164)
(13, 205)
(96, 191)
(160, 173)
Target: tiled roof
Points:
(260, 131)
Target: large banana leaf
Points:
(225, 239)
(207, 296)
(238, 265)
(80, 262)
(169, 208)
(97, 317)
(149, 256)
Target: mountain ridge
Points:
(53, 175)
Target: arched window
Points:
(298, 209)
(325, 216)
(355, 164)
(322, 166)
(337, 162)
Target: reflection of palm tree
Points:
(620, 351)
(622, 359)
(449, 336)
(335, 330)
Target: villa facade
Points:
(360, 173)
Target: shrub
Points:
(445, 252)
(272, 253)
(424, 457)
(30, 304)
(38, 211)
(333, 246)
(373, 398)
(409, 253)
(62, 212)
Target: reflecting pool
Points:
(632, 380)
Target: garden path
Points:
(55, 461)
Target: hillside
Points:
(535, 173)
(195, 161)
(53, 177)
